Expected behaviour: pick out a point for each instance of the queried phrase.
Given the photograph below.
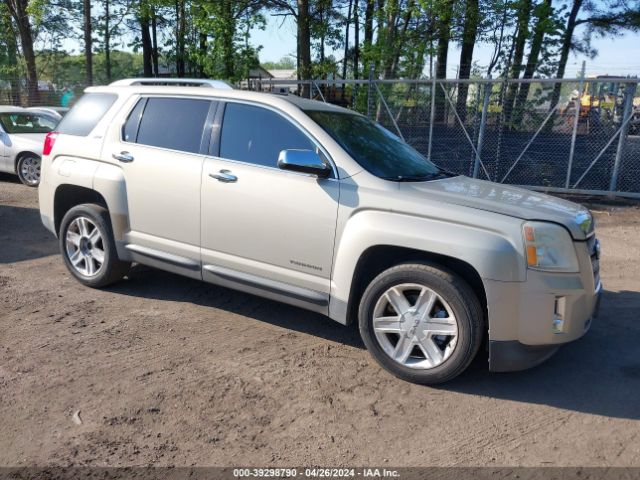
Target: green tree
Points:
(22, 14)
(469, 37)
(222, 28)
(9, 68)
(285, 63)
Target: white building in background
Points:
(267, 80)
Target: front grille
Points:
(594, 252)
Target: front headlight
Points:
(549, 247)
(585, 221)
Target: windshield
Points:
(18, 122)
(375, 148)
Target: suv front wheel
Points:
(88, 248)
(421, 322)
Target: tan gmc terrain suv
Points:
(319, 207)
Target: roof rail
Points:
(179, 82)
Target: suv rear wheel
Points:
(88, 248)
(421, 322)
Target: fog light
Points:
(558, 315)
(558, 325)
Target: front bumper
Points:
(529, 321)
(511, 355)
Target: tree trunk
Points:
(154, 42)
(180, 40)
(356, 39)
(202, 40)
(304, 45)
(380, 25)
(520, 41)
(322, 34)
(399, 40)
(543, 13)
(227, 40)
(107, 40)
(368, 35)
(469, 34)
(346, 46)
(497, 48)
(565, 49)
(147, 62)
(386, 34)
(524, 15)
(88, 52)
(442, 51)
(18, 10)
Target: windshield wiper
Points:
(420, 178)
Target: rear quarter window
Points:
(86, 114)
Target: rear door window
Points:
(173, 123)
(86, 114)
(257, 135)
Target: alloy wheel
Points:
(415, 326)
(84, 246)
(30, 170)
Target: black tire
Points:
(112, 269)
(28, 169)
(452, 289)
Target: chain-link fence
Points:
(47, 94)
(577, 135)
(555, 135)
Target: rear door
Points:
(161, 151)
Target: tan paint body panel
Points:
(247, 224)
(293, 229)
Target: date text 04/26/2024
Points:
(316, 472)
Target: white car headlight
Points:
(549, 247)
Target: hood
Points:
(506, 200)
(33, 141)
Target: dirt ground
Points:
(170, 371)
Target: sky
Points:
(617, 56)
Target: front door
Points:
(258, 221)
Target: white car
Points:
(57, 112)
(22, 133)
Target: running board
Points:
(176, 260)
(268, 285)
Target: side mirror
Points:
(304, 161)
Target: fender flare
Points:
(490, 252)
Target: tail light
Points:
(49, 141)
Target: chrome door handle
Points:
(125, 157)
(224, 176)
